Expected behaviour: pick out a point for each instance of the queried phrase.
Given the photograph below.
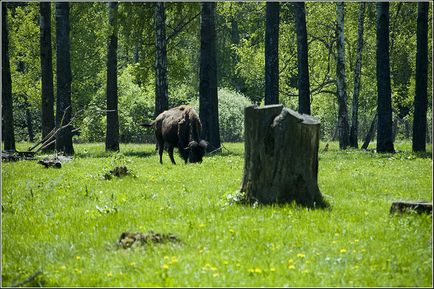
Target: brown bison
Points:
(179, 127)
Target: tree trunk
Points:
(302, 58)
(354, 130)
(272, 53)
(384, 100)
(341, 79)
(161, 98)
(237, 81)
(421, 99)
(370, 134)
(208, 100)
(8, 135)
(47, 96)
(29, 120)
(281, 156)
(112, 132)
(64, 78)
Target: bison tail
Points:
(149, 124)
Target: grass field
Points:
(65, 223)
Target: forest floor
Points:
(61, 226)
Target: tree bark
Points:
(341, 79)
(112, 131)
(64, 79)
(161, 97)
(208, 100)
(370, 134)
(47, 96)
(384, 99)
(281, 156)
(302, 58)
(8, 135)
(272, 53)
(354, 130)
(421, 98)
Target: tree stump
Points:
(281, 156)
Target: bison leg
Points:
(170, 151)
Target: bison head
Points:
(196, 151)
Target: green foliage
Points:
(66, 222)
(240, 60)
(231, 114)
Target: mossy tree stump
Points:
(281, 156)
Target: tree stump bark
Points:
(281, 156)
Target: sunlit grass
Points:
(52, 221)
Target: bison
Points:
(179, 127)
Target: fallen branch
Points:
(27, 280)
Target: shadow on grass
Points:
(103, 154)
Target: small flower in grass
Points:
(78, 258)
(301, 255)
(165, 267)
(343, 250)
(231, 231)
(258, 270)
(272, 269)
(174, 260)
(109, 274)
(291, 267)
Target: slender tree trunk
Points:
(354, 131)
(47, 96)
(235, 37)
(161, 97)
(8, 135)
(64, 78)
(421, 99)
(29, 122)
(370, 134)
(384, 100)
(302, 57)
(208, 100)
(341, 79)
(272, 53)
(112, 132)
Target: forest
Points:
(148, 59)
(307, 161)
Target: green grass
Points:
(51, 222)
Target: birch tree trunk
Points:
(208, 99)
(272, 53)
(161, 97)
(64, 79)
(384, 99)
(281, 156)
(302, 59)
(47, 96)
(341, 79)
(112, 129)
(421, 99)
(8, 135)
(354, 131)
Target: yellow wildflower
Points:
(343, 250)
(300, 255)
(165, 266)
